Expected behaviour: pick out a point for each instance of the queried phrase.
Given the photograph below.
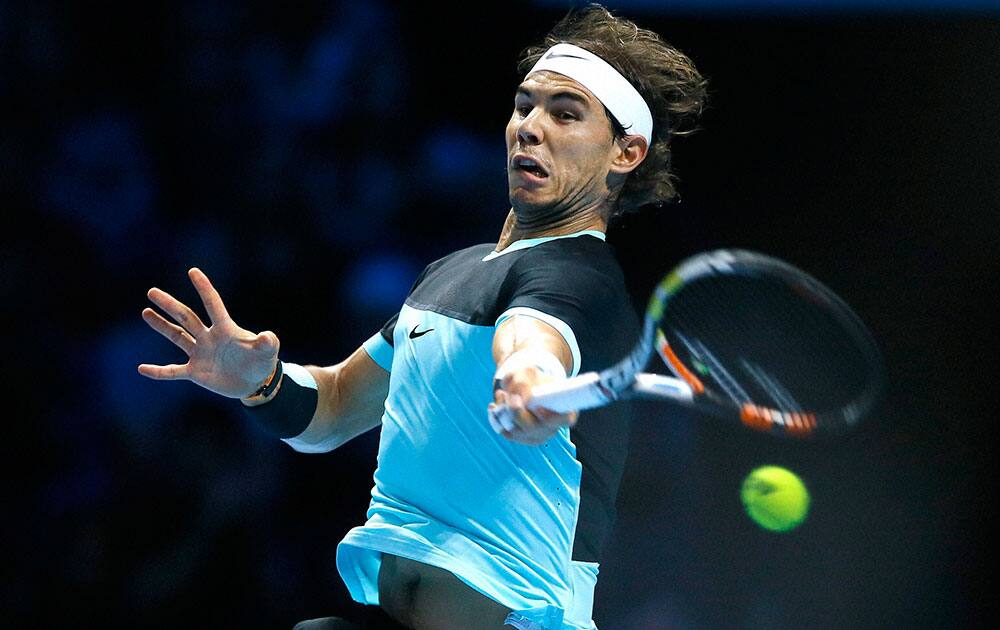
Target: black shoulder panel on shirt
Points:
(388, 327)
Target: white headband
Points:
(604, 82)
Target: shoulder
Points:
(583, 263)
(460, 258)
(471, 253)
(578, 277)
(574, 248)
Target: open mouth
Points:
(530, 166)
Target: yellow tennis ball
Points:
(775, 498)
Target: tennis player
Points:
(474, 524)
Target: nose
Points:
(529, 131)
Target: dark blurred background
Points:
(313, 158)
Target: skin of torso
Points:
(424, 597)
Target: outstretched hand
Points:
(222, 357)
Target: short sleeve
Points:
(379, 346)
(582, 297)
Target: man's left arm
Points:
(529, 352)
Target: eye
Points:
(564, 115)
(522, 110)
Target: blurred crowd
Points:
(272, 151)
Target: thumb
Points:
(266, 343)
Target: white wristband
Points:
(543, 360)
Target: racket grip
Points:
(583, 391)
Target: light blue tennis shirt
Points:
(449, 491)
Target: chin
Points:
(525, 208)
(526, 201)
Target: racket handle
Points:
(572, 394)
(583, 391)
(586, 392)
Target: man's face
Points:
(560, 146)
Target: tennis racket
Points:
(749, 339)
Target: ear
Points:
(631, 151)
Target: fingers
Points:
(512, 412)
(521, 435)
(513, 394)
(209, 296)
(183, 315)
(512, 415)
(548, 417)
(181, 338)
(164, 372)
(501, 417)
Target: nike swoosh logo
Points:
(414, 334)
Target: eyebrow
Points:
(573, 96)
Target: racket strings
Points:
(729, 384)
(756, 340)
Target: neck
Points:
(516, 229)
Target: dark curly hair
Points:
(665, 77)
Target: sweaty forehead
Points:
(547, 84)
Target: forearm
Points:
(344, 409)
(345, 400)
